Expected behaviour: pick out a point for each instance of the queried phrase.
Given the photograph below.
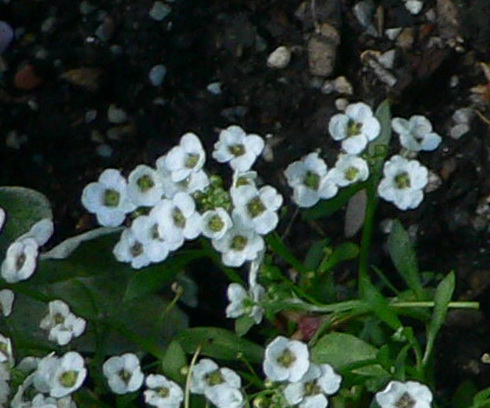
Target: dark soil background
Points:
(71, 60)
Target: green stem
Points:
(454, 305)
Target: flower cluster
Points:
(404, 179)
(62, 324)
(177, 201)
(303, 383)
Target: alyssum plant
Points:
(76, 328)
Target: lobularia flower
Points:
(238, 148)
(145, 187)
(312, 390)
(162, 393)
(257, 208)
(41, 401)
(221, 386)
(6, 301)
(245, 303)
(349, 169)
(309, 179)
(6, 353)
(129, 249)
(416, 133)
(62, 324)
(241, 179)
(196, 181)
(20, 261)
(145, 230)
(123, 373)
(60, 376)
(41, 232)
(178, 219)
(186, 158)
(286, 360)
(108, 198)
(215, 223)
(2, 218)
(403, 182)
(5, 378)
(404, 394)
(238, 245)
(355, 128)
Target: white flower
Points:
(241, 179)
(6, 301)
(3, 215)
(41, 401)
(416, 133)
(6, 353)
(309, 179)
(196, 181)
(221, 386)
(145, 187)
(20, 261)
(60, 377)
(257, 208)
(356, 128)
(349, 169)
(286, 360)
(404, 394)
(63, 325)
(215, 223)
(311, 391)
(403, 182)
(238, 148)
(162, 393)
(4, 384)
(123, 373)
(238, 245)
(41, 231)
(145, 230)
(245, 303)
(178, 219)
(186, 158)
(108, 198)
(129, 249)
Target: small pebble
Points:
(157, 74)
(463, 115)
(6, 35)
(454, 81)
(279, 58)
(341, 104)
(392, 33)
(159, 11)
(26, 79)
(214, 88)
(116, 115)
(90, 115)
(414, 6)
(387, 59)
(364, 12)
(340, 85)
(104, 150)
(459, 130)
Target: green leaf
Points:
(275, 242)
(378, 303)
(243, 324)
(482, 399)
(315, 254)
(219, 343)
(343, 252)
(24, 207)
(342, 350)
(442, 297)
(463, 395)
(325, 208)
(173, 361)
(154, 278)
(404, 258)
(378, 148)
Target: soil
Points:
(70, 61)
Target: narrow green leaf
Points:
(342, 350)
(275, 242)
(404, 258)
(378, 148)
(442, 297)
(379, 304)
(24, 207)
(463, 396)
(219, 343)
(315, 254)
(343, 252)
(173, 361)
